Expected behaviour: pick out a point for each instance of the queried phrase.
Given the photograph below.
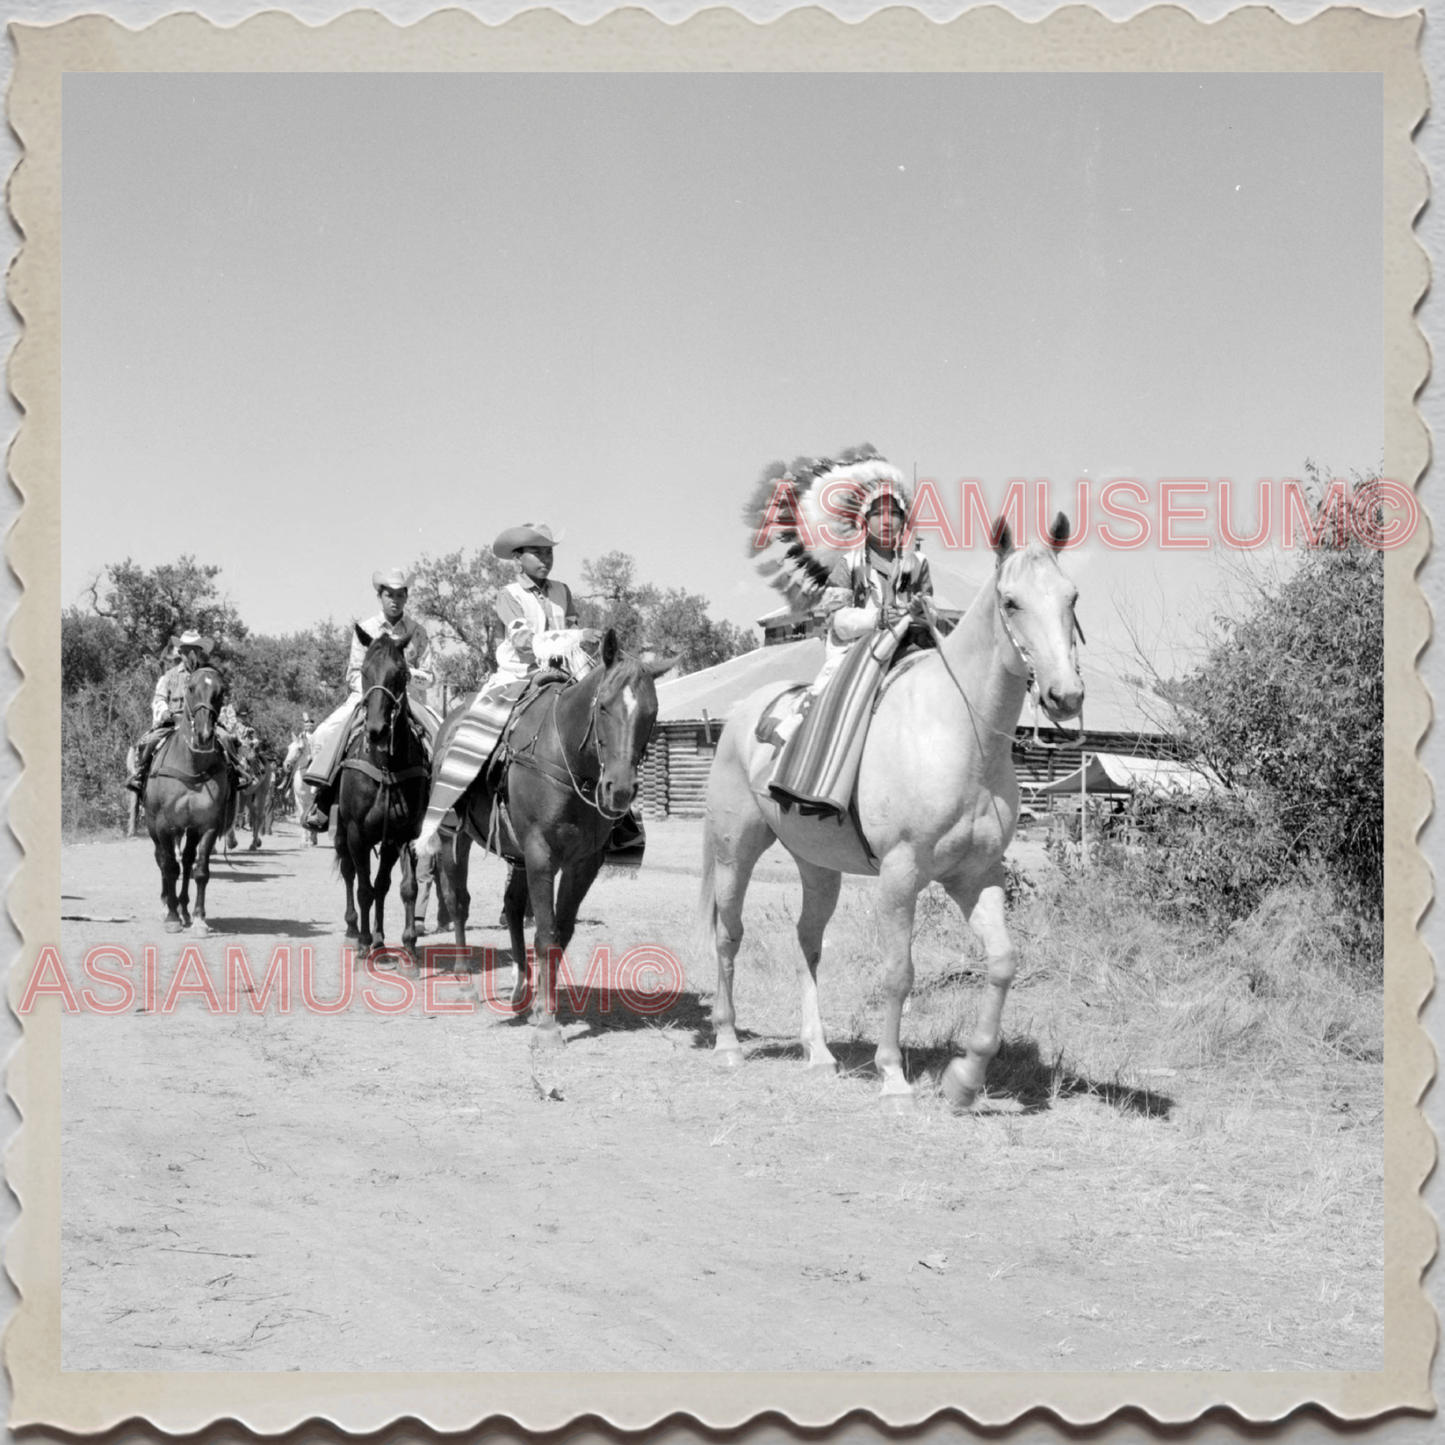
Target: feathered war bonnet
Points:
(805, 518)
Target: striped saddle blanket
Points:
(818, 765)
(473, 743)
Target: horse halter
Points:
(591, 733)
(1032, 684)
(191, 712)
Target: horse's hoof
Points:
(351, 933)
(825, 1067)
(956, 1088)
(173, 925)
(201, 928)
(897, 1103)
(546, 1038)
(728, 1058)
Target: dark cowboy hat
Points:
(394, 579)
(527, 535)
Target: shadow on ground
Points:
(1019, 1073)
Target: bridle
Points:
(1032, 684)
(593, 736)
(192, 711)
(385, 778)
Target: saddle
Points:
(162, 766)
(523, 727)
(357, 724)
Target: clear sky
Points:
(315, 325)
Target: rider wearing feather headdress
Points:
(836, 532)
(833, 534)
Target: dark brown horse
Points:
(572, 773)
(382, 797)
(187, 793)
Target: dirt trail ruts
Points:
(423, 1191)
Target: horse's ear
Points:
(656, 666)
(1002, 539)
(361, 635)
(1060, 532)
(610, 648)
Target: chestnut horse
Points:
(571, 773)
(187, 794)
(937, 799)
(381, 800)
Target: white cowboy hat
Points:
(191, 638)
(529, 534)
(393, 578)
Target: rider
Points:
(328, 741)
(168, 702)
(875, 586)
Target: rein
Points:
(1070, 739)
(585, 788)
(385, 778)
(167, 769)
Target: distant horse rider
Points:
(168, 703)
(328, 741)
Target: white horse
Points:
(937, 798)
(298, 759)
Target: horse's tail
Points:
(705, 929)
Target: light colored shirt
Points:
(408, 635)
(168, 701)
(531, 618)
(867, 583)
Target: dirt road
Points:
(296, 1191)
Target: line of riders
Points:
(876, 590)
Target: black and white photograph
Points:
(723, 722)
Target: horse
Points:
(381, 800)
(293, 768)
(937, 799)
(187, 794)
(250, 803)
(571, 773)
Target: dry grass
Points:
(1177, 1103)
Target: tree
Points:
(454, 597)
(1288, 711)
(150, 607)
(672, 623)
(677, 625)
(615, 599)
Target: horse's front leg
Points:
(514, 909)
(541, 885)
(188, 860)
(964, 1078)
(365, 896)
(348, 876)
(572, 887)
(202, 875)
(408, 898)
(452, 864)
(170, 870)
(897, 900)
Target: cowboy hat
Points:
(191, 638)
(394, 579)
(527, 535)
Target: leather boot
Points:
(318, 820)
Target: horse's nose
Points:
(616, 794)
(1064, 702)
